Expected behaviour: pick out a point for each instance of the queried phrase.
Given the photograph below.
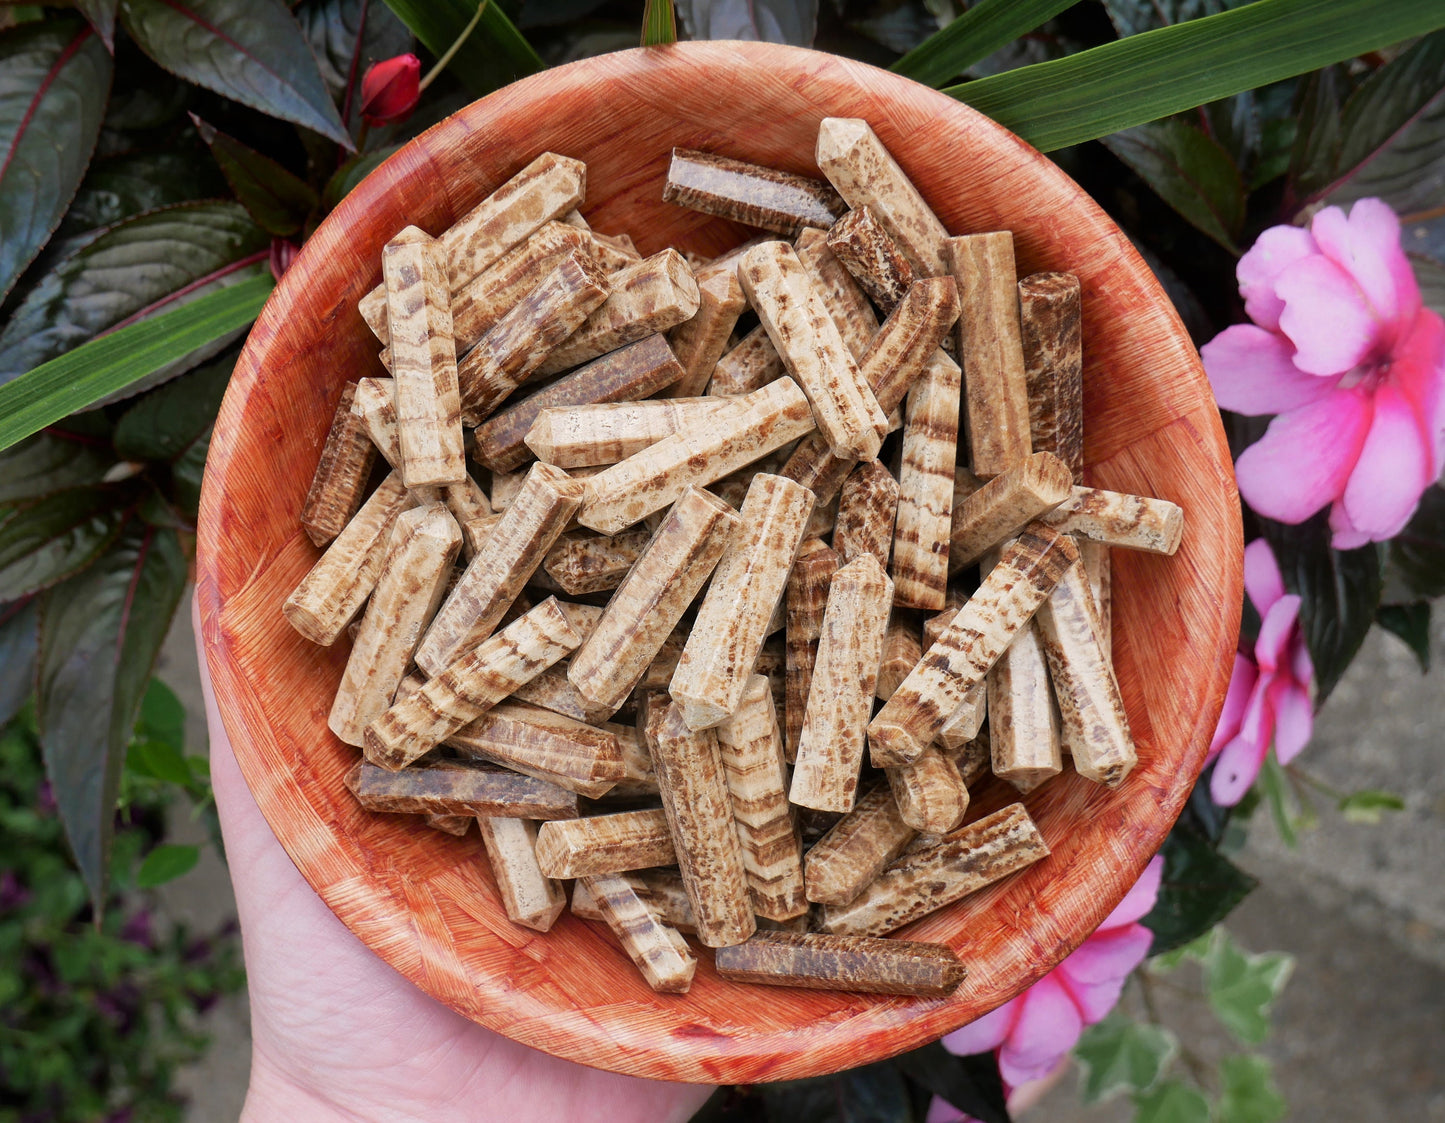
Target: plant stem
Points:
(1187, 1055)
(441, 63)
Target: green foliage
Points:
(659, 23)
(1199, 888)
(1190, 171)
(493, 55)
(1166, 71)
(1242, 988)
(1122, 1055)
(1369, 806)
(96, 1017)
(279, 201)
(973, 36)
(1417, 553)
(1172, 1102)
(1249, 1095)
(1411, 622)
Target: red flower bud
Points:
(390, 89)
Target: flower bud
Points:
(390, 89)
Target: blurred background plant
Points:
(164, 160)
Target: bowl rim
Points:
(892, 1026)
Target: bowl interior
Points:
(425, 902)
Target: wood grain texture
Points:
(425, 902)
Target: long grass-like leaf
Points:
(659, 23)
(493, 55)
(101, 367)
(1159, 73)
(975, 35)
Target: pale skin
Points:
(338, 1035)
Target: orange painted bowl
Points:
(426, 902)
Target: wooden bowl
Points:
(424, 901)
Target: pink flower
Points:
(390, 89)
(1035, 1031)
(1342, 351)
(1269, 695)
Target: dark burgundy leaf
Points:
(49, 541)
(1411, 622)
(51, 461)
(274, 197)
(18, 641)
(101, 14)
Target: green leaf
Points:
(54, 78)
(492, 56)
(1411, 622)
(1190, 172)
(347, 36)
(1317, 138)
(1273, 782)
(971, 1084)
(158, 761)
(187, 471)
(152, 262)
(278, 200)
(1200, 887)
(1384, 103)
(50, 540)
(100, 633)
(251, 51)
(1249, 1095)
(166, 863)
(50, 462)
(162, 717)
(1417, 553)
(659, 23)
(104, 366)
(1368, 806)
(101, 14)
(1130, 17)
(346, 178)
(1195, 950)
(168, 420)
(19, 637)
(119, 187)
(1339, 591)
(975, 35)
(1159, 73)
(1172, 1102)
(1122, 1055)
(1242, 988)
(874, 1093)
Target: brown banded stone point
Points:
(582, 758)
(423, 361)
(728, 633)
(1051, 330)
(866, 175)
(630, 373)
(650, 480)
(699, 810)
(1133, 522)
(545, 189)
(1023, 716)
(850, 648)
(867, 509)
(521, 341)
(458, 789)
(662, 889)
(807, 599)
(930, 793)
(856, 848)
(1003, 605)
(652, 598)
(925, 880)
(1005, 505)
(594, 563)
(820, 961)
(925, 486)
(605, 433)
(648, 296)
(531, 899)
(339, 484)
(876, 261)
(990, 350)
(657, 949)
(331, 594)
(700, 342)
(752, 754)
(424, 543)
(615, 843)
(470, 686)
(752, 363)
(755, 196)
(901, 652)
(846, 304)
(504, 562)
(1095, 728)
(798, 322)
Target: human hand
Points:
(338, 1034)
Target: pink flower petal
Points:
(1108, 955)
(1047, 1029)
(1367, 246)
(1252, 371)
(983, 1034)
(1418, 369)
(1241, 684)
(1305, 456)
(1393, 469)
(1346, 535)
(1262, 579)
(1326, 317)
(1139, 900)
(1238, 764)
(1273, 251)
(1294, 720)
(941, 1111)
(1300, 665)
(1271, 647)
